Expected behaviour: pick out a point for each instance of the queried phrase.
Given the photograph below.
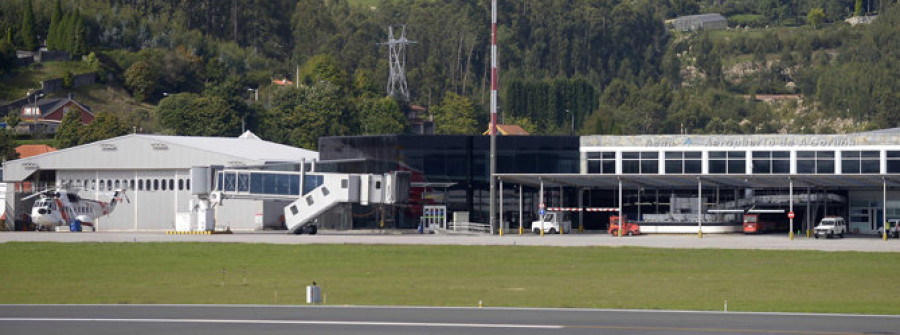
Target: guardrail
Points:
(468, 227)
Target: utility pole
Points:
(493, 210)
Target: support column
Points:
(621, 215)
(541, 208)
(884, 209)
(581, 210)
(699, 208)
(501, 208)
(791, 206)
(521, 211)
(808, 205)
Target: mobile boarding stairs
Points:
(322, 191)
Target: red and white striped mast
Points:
(493, 130)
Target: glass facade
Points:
(815, 162)
(771, 162)
(446, 170)
(683, 162)
(853, 162)
(601, 162)
(727, 162)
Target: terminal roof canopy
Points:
(148, 152)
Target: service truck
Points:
(831, 226)
(551, 223)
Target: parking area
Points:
(589, 239)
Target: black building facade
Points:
(449, 170)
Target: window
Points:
(163, 184)
(727, 162)
(140, 184)
(601, 162)
(131, 186)
(181, 184)
(102, 186)
(893, 162)
(188, 184)
(815, 162)
(172, 184)
(860, 162)
(156, 184)
(344, 183)
(771, 162)
(640, 162)
(683, 162)
(325, 191)
(309, 200)
(294, 210)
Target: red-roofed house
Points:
(28, 150)
(507, 129)
(46, 115)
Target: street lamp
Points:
(255, 93)
(573, 121)
(34, 113)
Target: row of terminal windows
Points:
(148, 184)
(734, 162)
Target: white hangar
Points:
(155, 170)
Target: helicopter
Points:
(60, 207)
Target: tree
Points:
(141, 79)
(858, 8)
(28, 36)
(380, 116)
(815, 17)
(105, 125)
(455, 116)
(324, 69)
(79, 46)
(173, 113)
(13, 120)
(7, 147)
(68, 133)
(53, 40)
(7, 56)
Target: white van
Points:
(830, 226)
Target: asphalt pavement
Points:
(224, 320)
(688, 241)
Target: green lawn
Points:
(601, 277)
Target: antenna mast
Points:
(396, 86)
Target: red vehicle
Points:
(631, 228)
(763, 223)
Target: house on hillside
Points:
(28, 150)
(698, 22)
(46, 115)
(507, 130)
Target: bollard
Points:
(501, 231)
(479, 303)
(791, 235)
(520, 228)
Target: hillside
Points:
(615, 65)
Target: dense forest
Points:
(610, 66)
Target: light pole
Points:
(255, 93)
(34, 112)
(573, 121)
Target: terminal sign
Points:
(790, 215)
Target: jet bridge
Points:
(321, 191)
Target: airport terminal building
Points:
(667, 183)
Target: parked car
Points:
(831, 226)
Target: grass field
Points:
(155, 273)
